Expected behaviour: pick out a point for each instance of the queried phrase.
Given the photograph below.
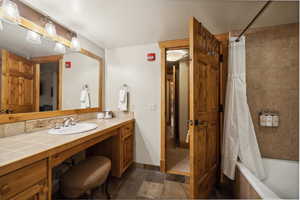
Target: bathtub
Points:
(282, 181)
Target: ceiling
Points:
(116, 23)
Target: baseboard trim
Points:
(146, 166)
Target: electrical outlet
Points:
(153, 107)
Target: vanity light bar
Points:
(1, 18)
(10, 12)
(50, 29)
(75, 44)
(60, 48)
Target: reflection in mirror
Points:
(35, 77)
(80, 82)
(49, 92)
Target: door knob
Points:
(9, 111)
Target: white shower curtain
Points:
(239, 138)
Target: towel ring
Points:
(124, 86)
(85, 86)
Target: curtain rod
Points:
(253, 20)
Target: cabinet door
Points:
(127, 144)
(36, 192)
(20, 180)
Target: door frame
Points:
(164, 46)
(179, 44)
(48, 59)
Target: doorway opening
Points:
(49, 84)
(177, 110)
(206, 68)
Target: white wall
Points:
(84, 70)
(129, 65)
(183, 99)
(90, 46)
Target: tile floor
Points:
(141, 183)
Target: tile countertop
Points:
(16, 148)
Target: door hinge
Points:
(221, 108)
(221, 58)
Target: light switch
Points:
(153, 107)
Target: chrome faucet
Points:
(69, 121)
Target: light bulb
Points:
(175, 55)
(33, 37)
(50, 29)
(60, 48)
(10, 11)
(75, 44)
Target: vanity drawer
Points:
(127, 130)
(21, 179)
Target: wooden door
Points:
(204, 110)
(17, 90)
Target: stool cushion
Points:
(87, 175)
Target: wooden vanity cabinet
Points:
(127, 146)
(36, 192)
(119, 148)
(26, 183)
(33, 182)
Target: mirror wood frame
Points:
(32, 25)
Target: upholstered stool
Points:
(86, 176)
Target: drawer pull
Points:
(44, 189)
(4, 189)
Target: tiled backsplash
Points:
(30, 126)
(12, 129)
(40, 124)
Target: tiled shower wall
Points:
(272, 55)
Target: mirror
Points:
(37, 75)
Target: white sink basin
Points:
(78, 128)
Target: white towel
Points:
(123, 99)
(85, 98)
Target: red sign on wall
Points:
(68, 64)
(151, 56)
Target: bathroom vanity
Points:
(27, 160)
